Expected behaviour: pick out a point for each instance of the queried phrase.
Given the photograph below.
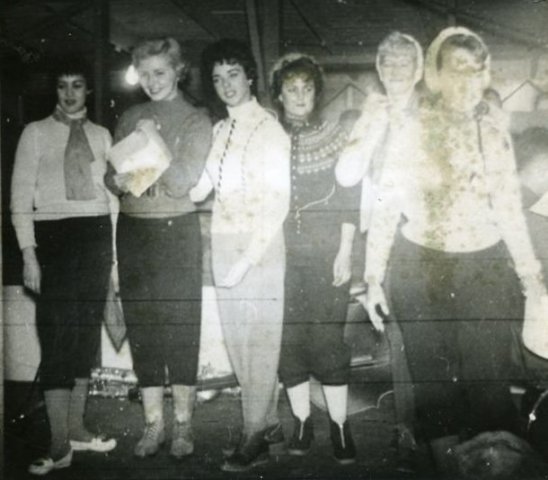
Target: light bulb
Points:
(132, 77)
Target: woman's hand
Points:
(32, 275)
(375, 297)
(146, 124)
(342, 268)
(121, 180)
(236, 274)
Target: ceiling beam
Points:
(200, 13)
(61, 17)
(255, 39)
(271, 15)
(101, 14)
(515, 35)
(314, 29)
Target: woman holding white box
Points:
(159, 246)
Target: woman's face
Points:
(231, 83)
(397, 73)
(71, 93)
(462, 79)
(298, 96)
(158, 78)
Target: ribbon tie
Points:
(78, 158)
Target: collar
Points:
(61, 116)
(529, 198)
(245, 110)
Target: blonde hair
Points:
(167, 46)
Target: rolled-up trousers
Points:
(75, 256)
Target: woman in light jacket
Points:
(464, 260)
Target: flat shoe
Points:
(44, 465)
(96, 444)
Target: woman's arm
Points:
(507, 204)
(23, 185)
(270, 190)
(202, 189)
(190, 156)
(342, 266)
(363, 141)
(385, 218)
(268, 193)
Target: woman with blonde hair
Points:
(159, 248)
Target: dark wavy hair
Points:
(230, 51)
(70, 66)
(294, 65)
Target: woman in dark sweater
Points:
(159, 248)
(319, 231)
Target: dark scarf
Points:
(78, 158)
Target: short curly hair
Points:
(231, 51)
(71, 66)
(167, 46)
(293, 65)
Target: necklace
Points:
(243, 157)
(223, 156)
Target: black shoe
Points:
(344, 449)
(274, 436)
(303, 434)
(252, 452)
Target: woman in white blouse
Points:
(457, 261)
(248, 167)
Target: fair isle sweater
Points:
(318, 205)
(248, 167)
(186, 131)
(38, 182)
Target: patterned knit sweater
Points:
(318, 206)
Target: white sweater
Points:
(38, 185)
(250, 177)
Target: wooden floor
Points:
(372, 423)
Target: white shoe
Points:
(44, 465)
(96, 444)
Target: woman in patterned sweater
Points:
(319, 231)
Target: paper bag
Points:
(144, 155)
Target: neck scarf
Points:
(78, 158)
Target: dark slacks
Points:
(314, 319)
(160, 269)
(75, 257)
(455, 313)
